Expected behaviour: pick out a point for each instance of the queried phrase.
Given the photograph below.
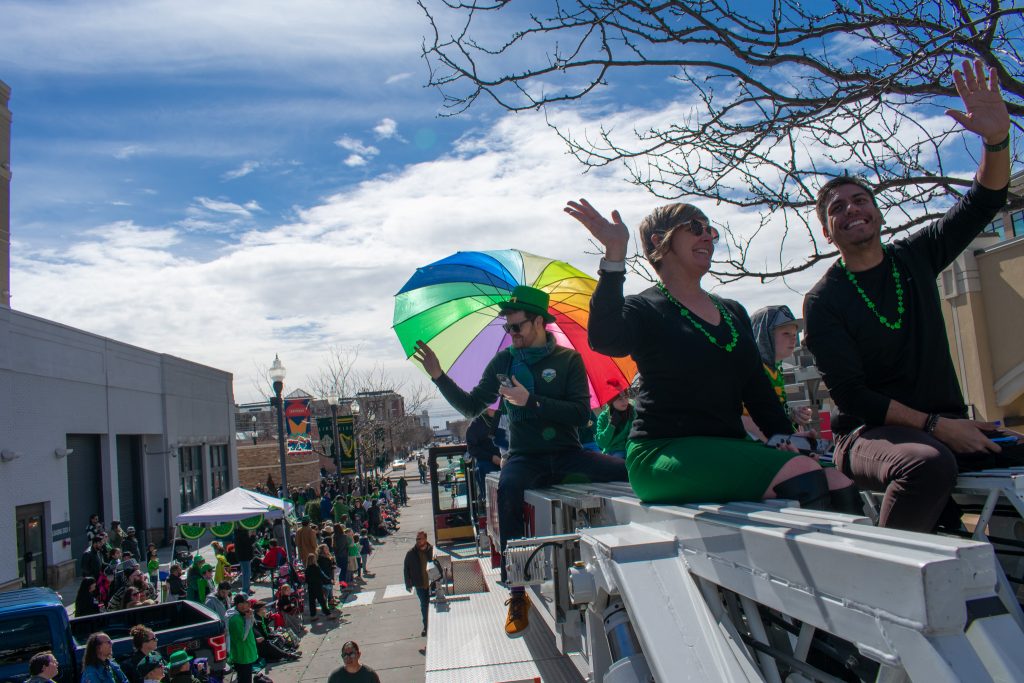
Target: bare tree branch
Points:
(778, 101)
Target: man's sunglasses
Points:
(697, 228)
(349, 654)
(513, 328)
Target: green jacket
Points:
(313, 511)
(559, 406)
(339, 510)
(607, 438)
(241, 644)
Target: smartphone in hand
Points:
(505, 381)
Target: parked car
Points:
(398, 464)
(34, 619)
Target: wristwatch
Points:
(607, 266)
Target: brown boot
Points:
(518, 613)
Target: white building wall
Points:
(55, 381)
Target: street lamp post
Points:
(332, 401)
(277, 374)
(253, 430)
(354, 409)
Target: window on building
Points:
(190, 471)
(219, 480)
(1017, 221)
(997, 227)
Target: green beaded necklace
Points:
(871, 304)
(692, 319)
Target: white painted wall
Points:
(56, 380)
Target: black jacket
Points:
(243, 545)
(412, 568)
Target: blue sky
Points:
(226, 181)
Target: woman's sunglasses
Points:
(697, 228)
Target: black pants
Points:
(243, 673)
(317, 594)
(272, 651)
(523, 472)
(916, 471)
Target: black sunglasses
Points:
(513, 328)
(349, 654)
(697, 228)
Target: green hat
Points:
(178, 658)
(529, 299)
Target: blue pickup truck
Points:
(34, 619)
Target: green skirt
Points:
(702, 469)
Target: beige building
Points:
(983, 303)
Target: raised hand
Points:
(613, 234)
(426, 357)
(986, 110)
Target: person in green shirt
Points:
(242, 653)
(614, 424)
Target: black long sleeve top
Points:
(688, 387)
(866, 365)
(558, 406)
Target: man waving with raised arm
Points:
(876, 329)
(544, 388)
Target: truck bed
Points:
(467, 643)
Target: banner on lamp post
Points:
(346, 446)
(296, 415)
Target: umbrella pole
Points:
(284, 528)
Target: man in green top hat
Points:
(547, 400)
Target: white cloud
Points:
(129, 151)
(222, 206)
(355, 160)
(397, 78)
(328, 276)
(245, 169)
(185, 36)
(386, 128)
(355, 145)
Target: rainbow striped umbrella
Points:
(452, 305)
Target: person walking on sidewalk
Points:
(415, 570)
(365, 548)
(351, 670)
(403, 491)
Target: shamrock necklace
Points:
(692, 319)
(871, 304)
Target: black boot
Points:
(809, 489)
(846, 500)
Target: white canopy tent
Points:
(236, 504)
